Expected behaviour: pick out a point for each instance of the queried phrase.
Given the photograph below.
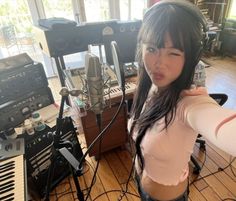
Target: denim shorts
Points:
(145, 197)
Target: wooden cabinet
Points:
(115, 136)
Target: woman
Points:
(168, 111)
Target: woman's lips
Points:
(158, 76)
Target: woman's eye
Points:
(151, 49)
(175, 54)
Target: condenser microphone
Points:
(93, 73)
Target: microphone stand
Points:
(61, 148)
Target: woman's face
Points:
(163, 65)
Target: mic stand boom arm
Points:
(61, 148)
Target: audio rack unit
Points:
(15, 62)
(21, 80)
(23, 90)
(14, 112)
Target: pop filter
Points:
(119, 70)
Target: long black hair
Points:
(186, 34)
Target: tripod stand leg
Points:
(49, 179)
(80, 194)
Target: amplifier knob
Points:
(25, 110)
(40, 105)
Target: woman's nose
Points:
(159, 58)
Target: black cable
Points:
(68, 182)
(100, 135)
(99, 123)
(65, 194)
(92, 181)
(127, 183)
(87, 164)
(231, 166)
(103, 131)
(123, 192)
(195, 179)
(55, 194)
(111, 191)
(219, 170)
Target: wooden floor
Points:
(115, 165)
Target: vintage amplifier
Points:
(65, 39)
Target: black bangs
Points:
(164, 23)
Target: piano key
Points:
(9, 199)
(7, 183)
(7, 190)
(7, 196)
(6, 178)
(17, 192)
(4, 187)
(7, 169)
(7, 174)
(6, 164)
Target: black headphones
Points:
(189, 8)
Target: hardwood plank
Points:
(125, 157)
(219, 161)
(210, 194)
(214, 181)
(117, 167)
(195, 194)
(98, 187)
(223, 154)
(109, 180)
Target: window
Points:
(232, 11)
(58, 8)
(96, 10)
(137, 9)
(124, 10)
(132, 9)
(16, 13)
(16, 29)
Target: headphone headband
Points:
(187, 6)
